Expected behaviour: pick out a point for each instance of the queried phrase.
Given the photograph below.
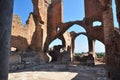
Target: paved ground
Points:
(60, 72)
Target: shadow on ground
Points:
(60, 72)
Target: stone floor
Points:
(60, 72)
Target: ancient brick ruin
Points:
(45, 24)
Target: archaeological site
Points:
(24, 47)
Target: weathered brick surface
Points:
(45, 25)
(22, 35)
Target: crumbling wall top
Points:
(92, 8)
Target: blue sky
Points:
(73, 10)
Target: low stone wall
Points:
(14, 59)
(86, 59)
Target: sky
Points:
(72, 10)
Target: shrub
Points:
(100, 55)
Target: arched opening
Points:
(99, 49)
(76, 28)
(81, 44)
(73, 10)
(114, 13)
(54, 49)
(99, 46)
(55, 42)
(23, 11)
(97, 23)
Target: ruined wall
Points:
(46, 24)
(40, 19)
(68, 47)
(55, 16)
(22, 35)
(110, 36)
(92, 8)
(62, 53)
(93, 12)
(67, 39)
(34, 34)
(96, 33)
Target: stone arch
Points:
(54, 49)
(75, 31)
(83, 46)
(77, 28)
(55, 42)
